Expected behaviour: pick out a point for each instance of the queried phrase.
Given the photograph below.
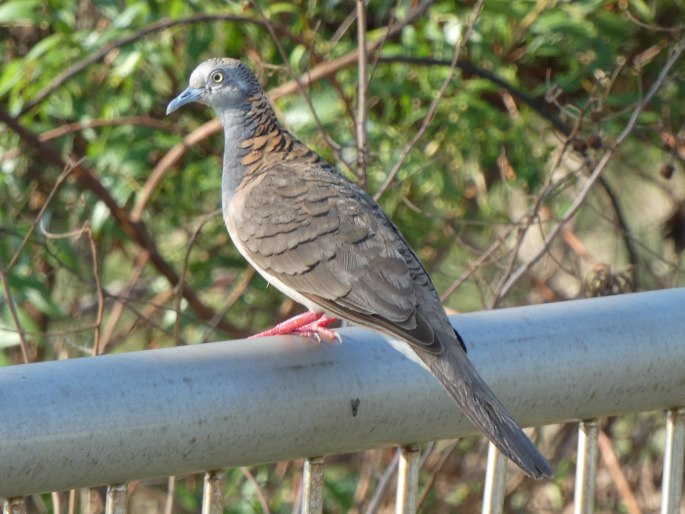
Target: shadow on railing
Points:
(111, 419)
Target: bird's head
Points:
(219, 83)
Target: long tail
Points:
(461, 380)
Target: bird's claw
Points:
(321, 334)
(308, 324)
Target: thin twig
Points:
(118, 308)
(484, 256)
(56, 187)
(165, 164)
(528, 219)
(53, 333)
(69, 128)
(343, 28)
(470, 68)
(100, 293)
(362, 95)
(258, 489)
(184, 271)
(676, 51)
(151, 306)
(233, 297)
(606, 450)
(370, 462)
(446, 453)
(81, 65)
(650, 27)
(305, 94)
(633, 256)
(77, 233)
(136, 230)
(328, 68)
(383, 484)
(434, 104)
(381, 44)
(23, 343)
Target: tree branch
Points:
(135, 230)
(676, 51)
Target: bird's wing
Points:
(325, 238)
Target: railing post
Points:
(213, 492)
(116, 499)
(586, 467)
(629, 336)
(674, 456)
(312, 486)
(495, 480)
(170, 493)
(407, 480)
(14, 506)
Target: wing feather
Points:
(327, 239)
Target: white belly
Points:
(286, 290)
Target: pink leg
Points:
(310, 324)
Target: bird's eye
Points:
(217, 77)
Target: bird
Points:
(327, 244)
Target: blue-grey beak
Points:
(191, 94)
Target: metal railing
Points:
(111, 419)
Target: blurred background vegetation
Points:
(546, 165)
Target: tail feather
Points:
(475, 398)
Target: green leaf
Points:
(44, 46)
(125, 19)
(11, 76)
(38, 298)
(15, 12)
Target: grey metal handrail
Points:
(111, 419)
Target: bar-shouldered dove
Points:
(328, 245)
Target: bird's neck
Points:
(251, 119)
(255, 141)
(244, 125)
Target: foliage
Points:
(109, 244)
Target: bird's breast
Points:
(234, 217)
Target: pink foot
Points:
(308, 324)
(317, 329)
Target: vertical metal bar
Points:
(213, 492)
(14, 506)
(56, 502)
(407, 480)
(116, 501)
(586, 467)
(85, 496)
(495, 481)
(674, 457)
(170, 493)
(71, 506)
(312, 486)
